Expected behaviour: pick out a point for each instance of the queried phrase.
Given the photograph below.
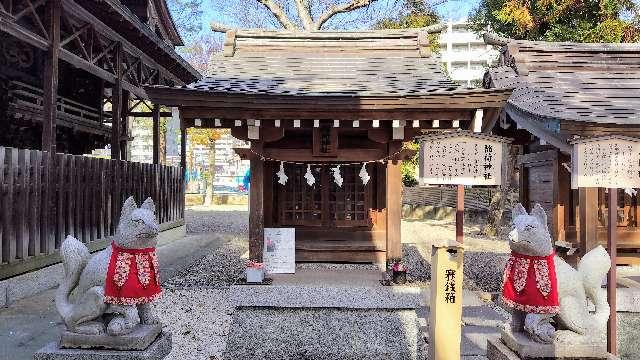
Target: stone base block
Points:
(496, 350)
(158, 350)
(570, 346)
(139, 339)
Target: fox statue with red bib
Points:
(113, 289)
(548, 296)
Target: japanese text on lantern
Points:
(462, 160)
(608, 163)
(450, 286)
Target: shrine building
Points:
(314, 100)
(565, 91)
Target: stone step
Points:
(349, 289)
(260, 333)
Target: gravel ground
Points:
(201, 291)
(199, 320)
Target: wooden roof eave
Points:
(189, 73)
(205, 103)
(530, 122)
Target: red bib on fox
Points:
(132, 276)
(529, 284)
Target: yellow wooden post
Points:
(446, 302)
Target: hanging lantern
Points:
(309, 176)
(364, 175)
(337, 177)
(282, 177)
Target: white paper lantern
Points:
(282, 177)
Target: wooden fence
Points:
(85, 196)
(474, 198)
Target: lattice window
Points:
(349, 204)
(324, 203)
(300, 203)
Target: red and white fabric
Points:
(529, 284)
(132, 276)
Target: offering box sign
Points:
(279, 253)
(606, 162)
(462, 158)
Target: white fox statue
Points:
(530, 237)
(85, 276)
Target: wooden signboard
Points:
(462, 158)
(611, 162)
(280, 250)
(606, 162)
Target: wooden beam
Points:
(588, 202)
(183, 147)
(256, 205)
(50, 77)
(124, 132)
(327, 112)
(394, 209)
(116, 105)
(156, 133)
(612, 343)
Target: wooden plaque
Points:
(462, 158)
(606, 162)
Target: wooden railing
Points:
(31, 96)
(474, 199)
(85, 197)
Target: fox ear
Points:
(539, 213)
(149, 205)
(518, 210)
(127, 208)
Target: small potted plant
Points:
(255, 272)
(398, 272)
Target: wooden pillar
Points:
(124, 132)
(612, 346)
(460, 214)
(588, 202)
(183, 147)
(155, 113)
(116, 105)
(393, 193)
(256, 204)
(50, 77)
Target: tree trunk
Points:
(208, 199)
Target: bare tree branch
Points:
(338, 9)
(218, 27)
(279, 13)
(304, 13)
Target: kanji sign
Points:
(462, 158)
(606, 162)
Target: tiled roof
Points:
(597, 83)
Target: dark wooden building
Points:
(321, 99)
(564, 91)
(61, 61)
(71, 74)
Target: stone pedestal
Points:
(568, 346)
(157, 350)
(139, 339)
